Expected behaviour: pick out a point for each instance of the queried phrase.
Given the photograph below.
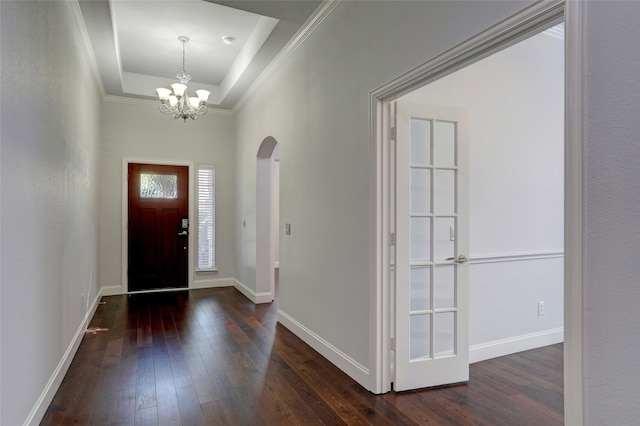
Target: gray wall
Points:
(611, 204)
(317, 108)
(50, 130)
(137, 130)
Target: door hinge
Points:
(392, 239)
(392, 133)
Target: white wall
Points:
(50, 130)
(515, 105)
(139, 131)
(276, 207)
(611, 307)
(317, 108)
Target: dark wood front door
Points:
(158, 226)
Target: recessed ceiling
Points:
(137, 49)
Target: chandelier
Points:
(178, 103)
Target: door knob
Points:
(460, 259)
(183, 234)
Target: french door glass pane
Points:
(443, 246)
(445, 192)
(420, 141)
(420, 191)
(420, 288)
(445, 137)
(420, 332)
(420, 250)
(445, 324)
(444, 287)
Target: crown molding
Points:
(511, 30)
(305, 31)
(82, 36)
(148, 103)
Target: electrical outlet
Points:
(540, 308)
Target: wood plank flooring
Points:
(210, 357)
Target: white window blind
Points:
(206, 217)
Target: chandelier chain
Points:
(183, 67)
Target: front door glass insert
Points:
(156, 185)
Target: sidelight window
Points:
(206, 217)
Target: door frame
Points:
(124, 288)
(504, 34)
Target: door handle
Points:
(460, 259)
(183, 234)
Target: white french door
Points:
(431, 224)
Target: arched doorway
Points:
(267, 218)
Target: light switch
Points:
(287, 228)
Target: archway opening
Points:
(267, 219)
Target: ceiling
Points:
(137, 49)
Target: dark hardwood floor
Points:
(212, 357)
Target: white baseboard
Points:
(512, 345)
(344, 362)
(41, 405)
(212, 283)
(112, 290)
(256, 298)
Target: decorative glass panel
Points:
(445, 139)
(444, 287)
(445, 192)
(420, 288)
(420, 337)
(155, 185)
(443, 246)
(420, 141)
(445, 330)
(420, 191)
(420, 250)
